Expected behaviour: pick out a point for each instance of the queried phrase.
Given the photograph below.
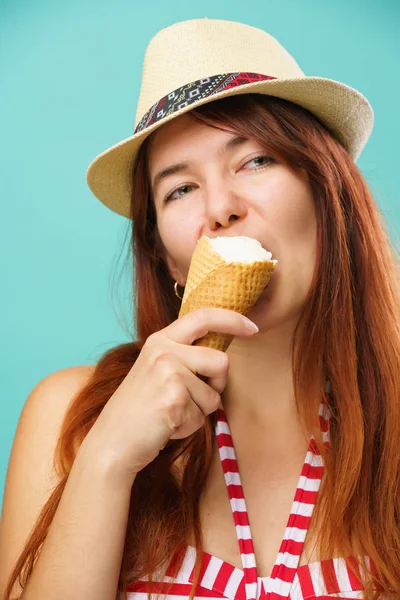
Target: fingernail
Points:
(251, 326)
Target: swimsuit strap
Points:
(299, 519)
(238, 504)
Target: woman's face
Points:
(231, 191)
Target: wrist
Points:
(104, 465)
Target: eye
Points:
(261, 157)
(268, 160)
(183, 187)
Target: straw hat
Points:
(201, 60)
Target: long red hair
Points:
(349, 329)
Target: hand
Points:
(162, 397)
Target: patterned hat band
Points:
(193, 92)
(215, 48)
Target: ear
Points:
(174, 271)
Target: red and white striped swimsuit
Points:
(321, 580)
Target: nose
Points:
(223, 206)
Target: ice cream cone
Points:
(214, 281)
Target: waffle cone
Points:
(212, 282)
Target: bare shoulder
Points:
(30, 475)
(55, 392)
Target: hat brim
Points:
(341, 108)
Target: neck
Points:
(260, 387)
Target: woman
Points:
(281, 465)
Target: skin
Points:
(232, 194)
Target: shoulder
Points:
(54, 394)
(30, 476)
(55, 389)
(45, 407)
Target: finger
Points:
(198, 323)
(203, 401)
(205, 397)
(208, 364)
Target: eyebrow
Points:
(182, 166)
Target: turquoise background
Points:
(69, 80)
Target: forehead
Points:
(182, 133)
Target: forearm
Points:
(81, 556)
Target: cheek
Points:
(297, 243)
(294, 244)
(179, 233)
(295, 212)
(299, 239)
(291, 214)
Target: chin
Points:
(262, 309)
(267, 318)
